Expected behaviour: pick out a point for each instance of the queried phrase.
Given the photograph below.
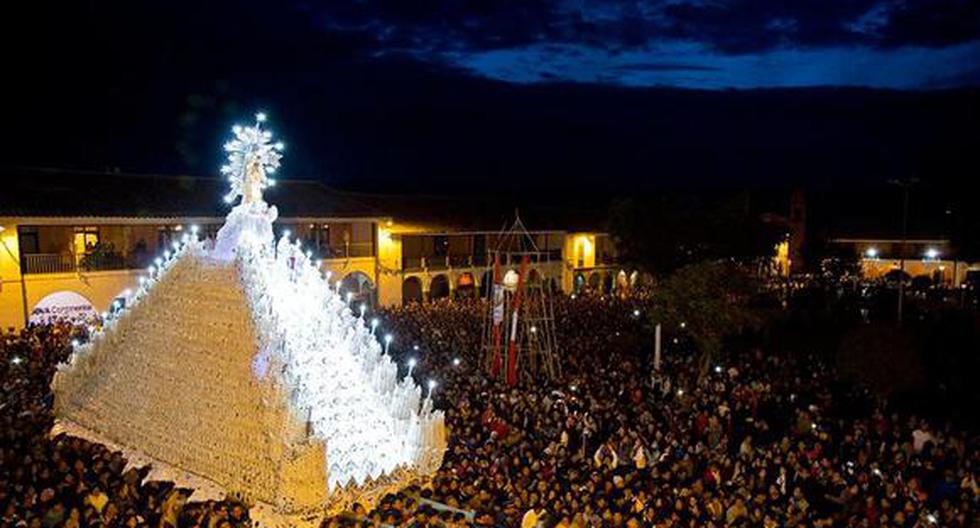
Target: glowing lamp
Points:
(456, 362)
(871, 252)
(511, 279)
(932, 253)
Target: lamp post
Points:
(905, 184)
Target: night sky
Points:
(435, 97)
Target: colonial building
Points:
(73, 242)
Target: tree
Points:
(710, 301)
(666, 233)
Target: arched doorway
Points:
(607, 283)
(595, 282)
(438, 288)
(63, 305)
(411, 290)
(465, 286)
(360, 285)
(486, 284)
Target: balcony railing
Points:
(351, 250)
(48, 263)
(37, 263)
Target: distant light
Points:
(389, 223)
(432, 384)
(228, 199)
(680, 392)
(194, 228)
(411, 361)
(683, 324)
(16, 360)
(676, 341)
(158, 261)
(871, 252)
(74, 343)
(151, 269)
(415, 347)
(573, 388)
(932, 518)
(374, 323)
(285, 233)
(280, 145)
(534, 329)
(456, 362)
(573, 296)
(270, 182)
(260, 117)
(388, 338)
(636, 313)
(718, 369)
(932, 253)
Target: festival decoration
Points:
(237, 362)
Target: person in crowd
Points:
(766, 439)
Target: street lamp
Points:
(871, 253)
(932, 253)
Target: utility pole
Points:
(905, 184)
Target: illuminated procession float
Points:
(236, 366)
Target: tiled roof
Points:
(46, 192)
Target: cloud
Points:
(584, 40)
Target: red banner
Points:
(498, 314)
(516, 307)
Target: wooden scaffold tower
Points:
(519, 338)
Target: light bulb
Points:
(411, 362)
(456, 362)
(388, 339)
(260, 117)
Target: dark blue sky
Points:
(434, 96)
(684, 43)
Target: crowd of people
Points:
(758, 439)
